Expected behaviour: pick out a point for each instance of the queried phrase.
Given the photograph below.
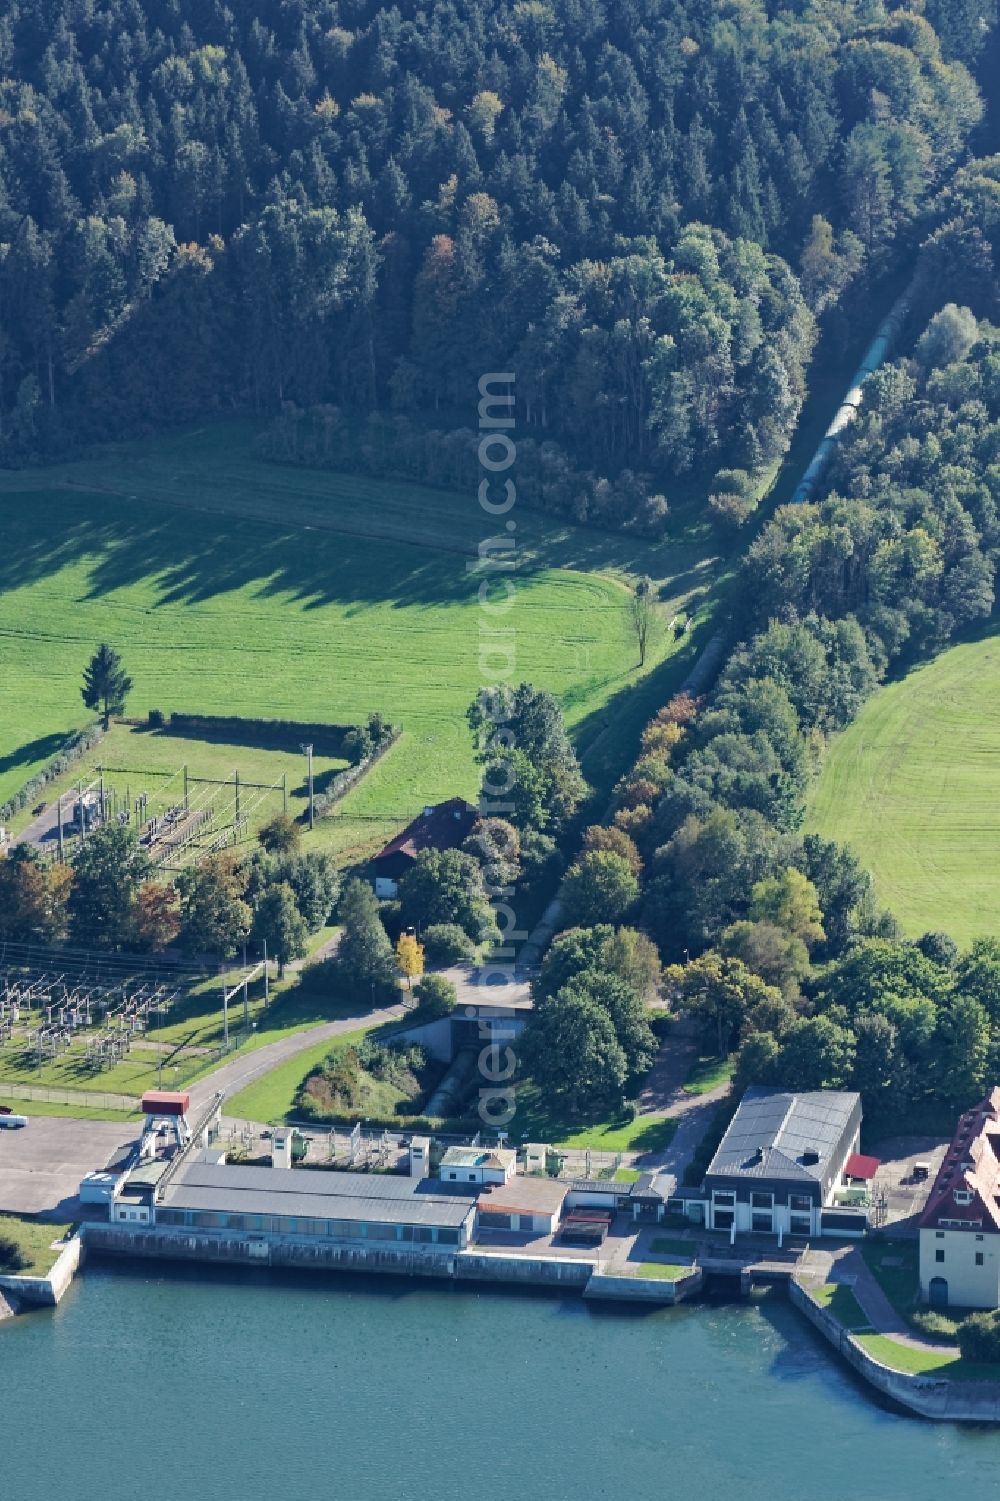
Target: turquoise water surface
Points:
(253, 1387)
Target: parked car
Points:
(6, 1110)
(10, 1122)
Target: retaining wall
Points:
(644, 1289)
(45, 1292)
(928, 1396)
(242, 1250)
(537, 1271)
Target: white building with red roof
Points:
(960, 1225)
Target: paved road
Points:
(247, 1067)
(43, 831)
(850, 1267)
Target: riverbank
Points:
(591, 1276)
(971, 1396)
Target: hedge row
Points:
(73, 749)
(351, 775)
(327, 739)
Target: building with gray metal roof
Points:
(782, 1160)
(316, 1204)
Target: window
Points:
(760, 1220)
(939, 1255)
(979, 1258)
(800, 1202)
(939, 1234)
(963, 1196)
(724, 1197)
(453, 1177)
(472, 1177)
(761, 1200)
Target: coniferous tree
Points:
(106, 685)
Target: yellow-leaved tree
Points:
(410, 957)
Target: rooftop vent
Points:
(810, 1157)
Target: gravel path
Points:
(664, 1095)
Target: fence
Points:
(99, 961)
(85, 1099)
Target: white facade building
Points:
(960, 1225)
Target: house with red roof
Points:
(441, 827)
(960, 1225)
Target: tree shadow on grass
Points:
(285, 738)
(195, 553)
(42, 749)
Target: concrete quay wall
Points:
(535, 1271)
(928, 1396)
(273, 1251)
(43, 1292)
(627, 1289)
(463, 1266)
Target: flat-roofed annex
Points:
(312, 1194)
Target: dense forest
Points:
(776, 941)
(638, 207)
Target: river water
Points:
(254, 1387)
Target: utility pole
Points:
(61, 846)
(267, 976)
(309, 758)
(187, 801)
(236, 776)
(284, 792)
(225, 1014)
(246, 997)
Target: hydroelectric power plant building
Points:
(311, 1202)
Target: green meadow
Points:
(911, 785)
(232, 586)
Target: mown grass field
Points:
(915, 1362)
(270, 1099)
(913, 787)
(37, 1242)
(236, 587)
(841, 1302)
